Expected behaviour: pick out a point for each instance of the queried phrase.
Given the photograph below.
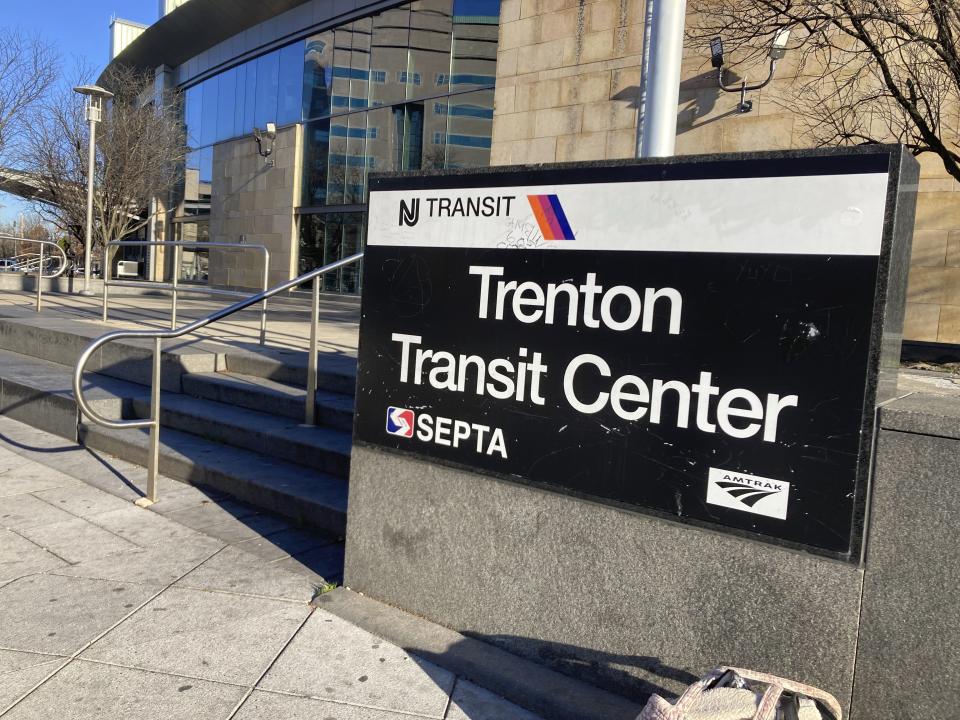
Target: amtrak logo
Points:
(410, 214)
(748, 493)
(400, 421)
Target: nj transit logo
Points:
(550, 217)
(400, 421)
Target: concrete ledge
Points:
(927, 412)
(543, 691)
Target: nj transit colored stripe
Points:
(550, 217)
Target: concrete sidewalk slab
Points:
(269, 706)
(91, 691)
(283, 544)
(472, 702)
(60, 615)
(155, 566)
(19, 672)
(203, 635)
(176, 623)
(146, 529)
(322, 564)
(18, 480)
(25, 511)
(332, 659)
(19, 557)
(80, 500)
(10, 460)
(76, 540)
(232, 571)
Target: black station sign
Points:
(692, 339)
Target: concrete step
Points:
(320, 448)
(39, 393)
(336, 372)
(61, 340)
(311, 498)
(256, 393)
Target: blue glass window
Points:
(208, 123)
(268, 85)
(290, 88)
(226, 104)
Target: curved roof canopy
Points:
(194, 27)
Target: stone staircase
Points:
(231, 415)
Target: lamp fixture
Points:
(778, 49)
(265, 141)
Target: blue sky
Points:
(80, 30)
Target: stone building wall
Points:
(255, 202)
(567, 84)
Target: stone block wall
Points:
(568, 75)
(255, 202)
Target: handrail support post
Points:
(176, 277)
(311, 408)
(40, 281)
(263, 306)
(153, 459)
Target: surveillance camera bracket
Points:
(745, 105)
(264, 152)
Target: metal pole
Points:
(312, 356)
(107, 262)
(663, 82)
(176, 276)
(153, 459)
(88, 241)
(263, 308)
(40, 280)
(644, 74)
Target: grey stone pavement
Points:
(198, 607)
(287, 318)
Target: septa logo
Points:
(400, 421)
(410, 214)
(550, 217)
(749, 493)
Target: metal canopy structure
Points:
(194, 27)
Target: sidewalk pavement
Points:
(288, 318)
(198, 607)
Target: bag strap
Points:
(796, 688)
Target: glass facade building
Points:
(408, 88)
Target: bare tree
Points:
(141, 148)
(28, 68)
(869, 70)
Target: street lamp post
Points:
(95, 96)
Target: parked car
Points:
(8, 265)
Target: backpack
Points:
(729, 693)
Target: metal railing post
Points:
(263, 307)
(153, 460)
(40, 281)
(105, 277)
(311, 409)
(153, 423)
(176, 277)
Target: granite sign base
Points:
(637, 605)
(629, 602)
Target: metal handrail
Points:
(40, 276)
(153, 422)
(174, 286)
